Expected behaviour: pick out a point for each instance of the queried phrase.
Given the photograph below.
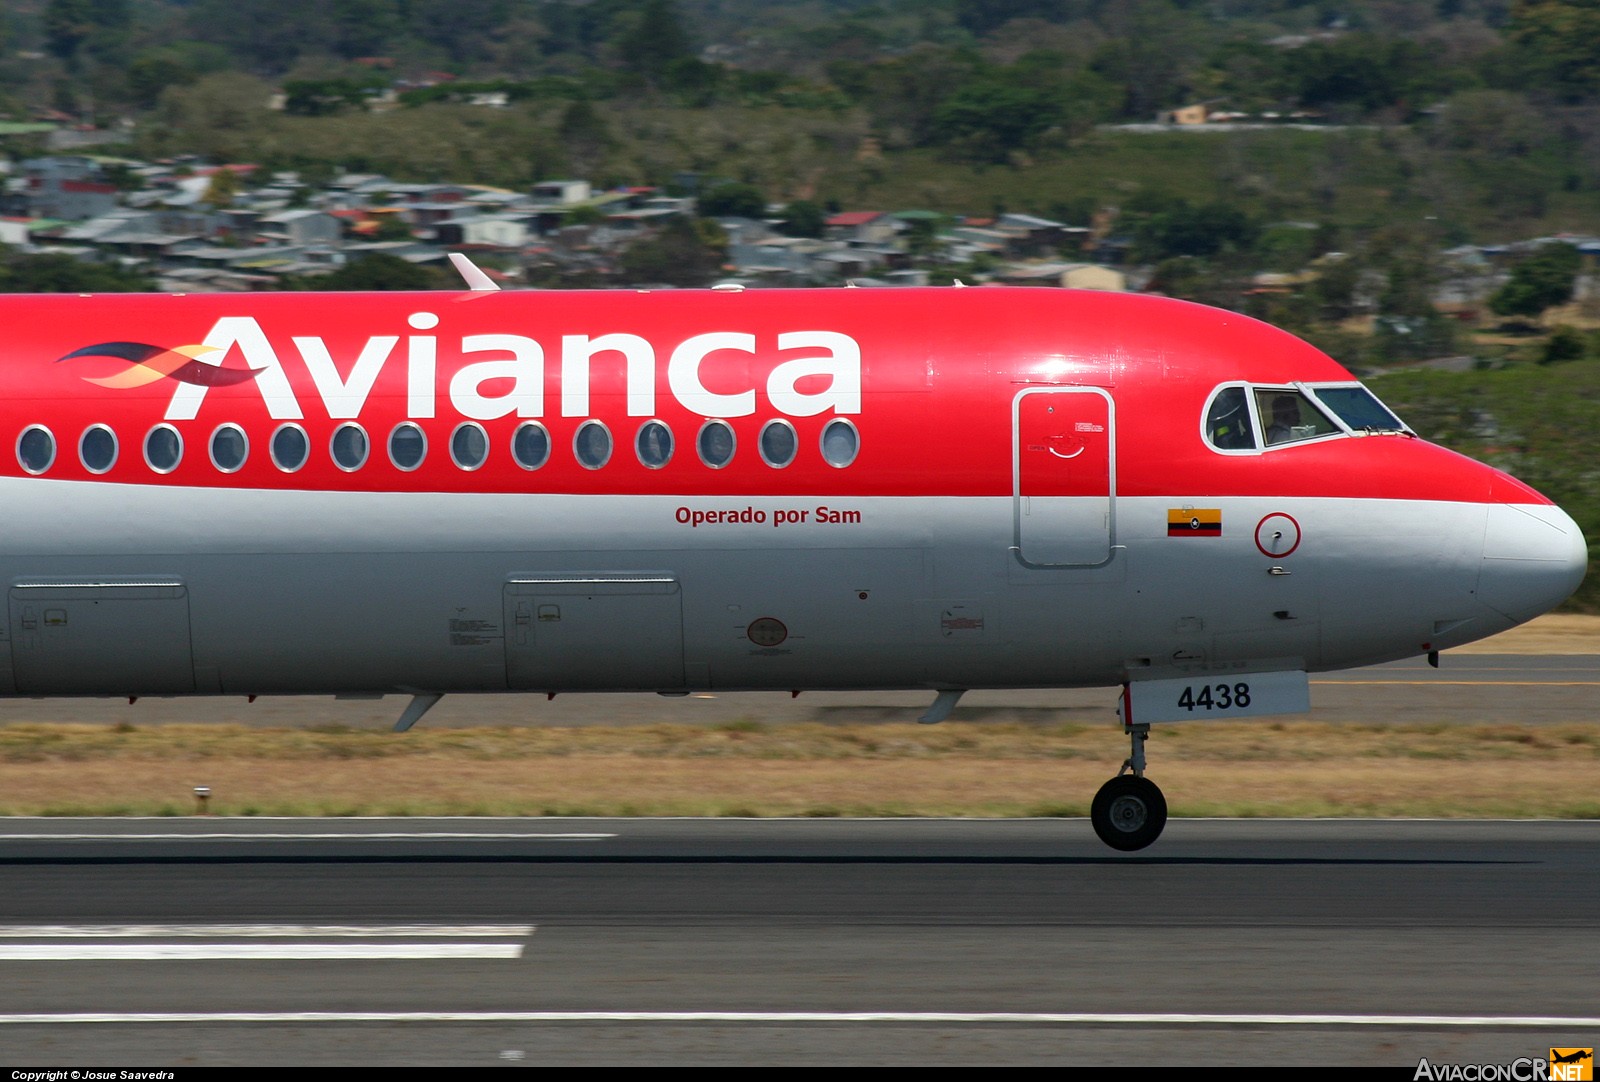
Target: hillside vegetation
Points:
(1371, 138)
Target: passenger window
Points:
(778, 444)
(290, 448)
(654, 444)
(36, 449)
(407, 446)
(592, 445)
(163, 448)
(98, 449)
(349, 447)
(1228, 421)
(469, 446)
(840, 442)
(1289, 416)
(229, 447)
(530, 445)
(715, 444)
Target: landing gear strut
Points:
(1129, 812)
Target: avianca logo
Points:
(816, 371)
(146, 364)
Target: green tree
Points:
(1180, 276)
(70, 25)
(1149, 55)
(262, 42)
(1542, 280)
(1405, 271)
(802, 218)
(122, 177)
(223, 187)
(364, 27)
(733, 201)
(378, 271)
(1565, 344)
(584, 135)
(464, 33)
(655, 42)
(1557, 45)
(152, 73)
(1368, 73)
(322, 97)
(219, 116)
(904, 94)
(1186, 230)
(63, 274)
(392, 227)
(678, 255)
(981, 17)
(993, 116)
(695, 83)
(1336, 288)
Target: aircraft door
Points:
(1064, 476)
(578, 632)
(101, 637)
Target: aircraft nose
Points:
(1534, 556)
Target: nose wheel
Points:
(1129, 812)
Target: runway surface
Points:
(1542, 688)
(151, 943)
(165, 943)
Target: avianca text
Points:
(807, 372)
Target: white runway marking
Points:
(241, 931)
(432, 835)
(152, 942)
(979, 1017)
(191, 952)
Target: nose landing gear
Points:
(1129, 812)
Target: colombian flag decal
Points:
(1194, 522)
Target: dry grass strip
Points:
(1003, 769)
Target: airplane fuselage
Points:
(433, 493)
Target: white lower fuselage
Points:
(143, 590)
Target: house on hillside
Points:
(299, 228)
(1093, 276)
(142, 235)
(1187, 115)
(1030, 236)
(485, 230)
(71, 188)
(863, 228)
(14, 232)
(562, 192)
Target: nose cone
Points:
(1534, 556)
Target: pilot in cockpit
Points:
(1285, 416)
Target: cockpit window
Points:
(1228, 422)
(1248, 418)
(1358, 408)
(1289, 415)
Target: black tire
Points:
(1128, 813)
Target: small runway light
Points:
(202, 795)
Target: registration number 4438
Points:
(1199, 697)
(1215, 697)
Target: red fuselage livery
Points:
(671, 491)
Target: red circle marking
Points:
(1261, 527)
